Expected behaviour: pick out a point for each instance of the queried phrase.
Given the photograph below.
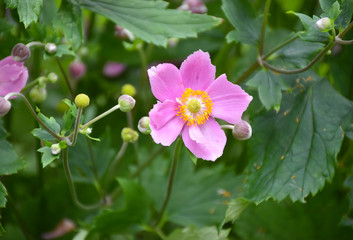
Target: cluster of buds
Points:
(39, 92)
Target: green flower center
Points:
(194, 106)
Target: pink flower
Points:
(13, 76)
(189, 100)
(77, 70)
(113, 69)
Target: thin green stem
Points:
(160, 233)
(341, 35)
(77, 126)
(263, 28)
(116, 107)
(170, 179)
(65, 159)
(65, 77)
(343, 42)
(227, 127)
(31, 44)
(34, 114)
(130, 122)
(281, 46)
(119, 156)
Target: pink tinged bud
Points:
(195, 6)
(50, 48)
(242, 130)
(77, 70)
(324, 24)
(144, 125)
(123, 33)
(64, 226)
(20, 52)
(126, 103)
(13, 76)
(5, 106)
(113, 69)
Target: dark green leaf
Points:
(344, 17)
(4, 25)
(349, 183)
(242, 16)
(294, 152)
(192, 233)
(3, 194)
(334, 11)
(28, 10)
(47, 156)
(131, 216)
(50, 122)
(42, 134)
(311, 33)
(270, 86)
(150, 20)
(69, 19)
(235, 207)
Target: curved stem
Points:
(34, 114)
(116, 107)
(263, 28)
(171, 179)
(65, 77)
(343, 42)
(34, 44)
(77, 124)
(281, 46)
(341, 35)
(65, 159)
(119, 156)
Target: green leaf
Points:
(235, 207)
(311, 33)
(294, 152)
(270, 86)
(3, 194)
(43, 134)
(349, 184)
(150, 20)
(70, 20)
(50, 122)
(61, 50)
(193, 157)
(334, 11)
(242, 16)
(5, 26)
(345, 15)
(47, 156)
(134, 213)
(28, 10)
(192, 233)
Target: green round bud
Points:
(55, 149)
(52, 77)
(126, 103)
(82, 100)
(129, 135)
(128, 89)
(242, 130)
(5, 106)
(20, 52)
(50, 48)
(38, 94)
(144, 125)
(324, 24)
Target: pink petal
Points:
(165, 80)
(13, 76)
(164, 123)
(197, 71)
(196, 134)
(210, 149)
(229, 100)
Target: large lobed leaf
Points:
(294, 152)
(28, 10)
(150, 20)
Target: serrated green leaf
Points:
(192, 233)
(50, 122)
(270, 86)
(28, 10)
(235, 207)
(345, 15)
(294, 151)
(150, 20)
(47, 156)
(134, 214)
(334, 11)
(42, 134)
(242, 16)
(3, 194)
(69, 18)
(311, 33)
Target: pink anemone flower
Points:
(13, 76)
(189, 100)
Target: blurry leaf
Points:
(191, 233)
(270, 86)
(347, 125)
(193, 157)
(9, 161)
(242, 16)
(28, 10)
(349, 184)
(344, 17)
(311, 33)
(334, 11)
(69, 19)
(294, 152)
(4, 25)
(3, 194)
(235, 207)
(61, 50)
(49, 12)
(131, 216)
(150, 20)
(81, 235)
(69, 116)
(47, 156)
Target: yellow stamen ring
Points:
(195, 107)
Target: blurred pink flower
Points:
(195, 6)
(77, 70)
(113, 69)
(123, 33)
(189, 100)
(13, 76)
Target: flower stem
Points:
(116, 107)
(343, 42)
(34, 114)
(65, 159)
(171, 179)
(118, 157)
(227, 127)
(34, 44)
(65, 77)
(341, 35)
(263, 28)
(77, 124)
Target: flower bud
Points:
(82, 100)
(55, 149)
(52, 77)
(242, 130)
(50, 48)
(123, 33)
(144, 125)
(5, 106)
(113, 69)
(324, 24)
(38, 94)
(86, 131)
(77, 70)
(129, 135)
(195, 6)
(128, 89)
(20, 52)
(126, 103)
